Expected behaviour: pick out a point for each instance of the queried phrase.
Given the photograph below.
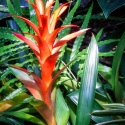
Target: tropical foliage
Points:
(62, 62)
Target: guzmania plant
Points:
(46, 49)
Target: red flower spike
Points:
(47, 51)
(48, 67)
(45, 30)
(44, 51)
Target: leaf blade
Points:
(88, 84)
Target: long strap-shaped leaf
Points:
(87, 88)
(115, 69)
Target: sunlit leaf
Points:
(88, 83)
(62, 110)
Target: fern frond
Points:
(12, 48)
(32, 15)
(101, 43)
(15, 93)
(16, 5)
(78, 40)
(26, 62)
(20, 23)
(66, 21)
(8, 83)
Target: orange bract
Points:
(47, 46)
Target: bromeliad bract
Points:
(46, 49)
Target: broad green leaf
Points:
(115, 106)
(72, 116)
(62, 110)
(88, 83)
(117, 86)
(72, 101)
(105, 72)
(110, 112)
(108, 6)
(118, 122)
(10, 121)
(4, 105)
(25, 116)
(15, 93)
(99, 119)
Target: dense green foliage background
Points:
(91, 90)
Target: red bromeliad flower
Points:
(46, 49)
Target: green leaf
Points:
(25, 116)
(16, 5)
(112, 121)
(20, 23)
(56, 5)
(4, 105)
(110, 112)
(78, 40)
(108, 6)
(104, 42)
(117, 86)
(105, 72)
(11, 81)
(66, 21)
(15, 93)
(88, 83)
(115, 105)
(99, 35)
(32, 16)
(62, 110)
(10, 121)
(4, 9)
